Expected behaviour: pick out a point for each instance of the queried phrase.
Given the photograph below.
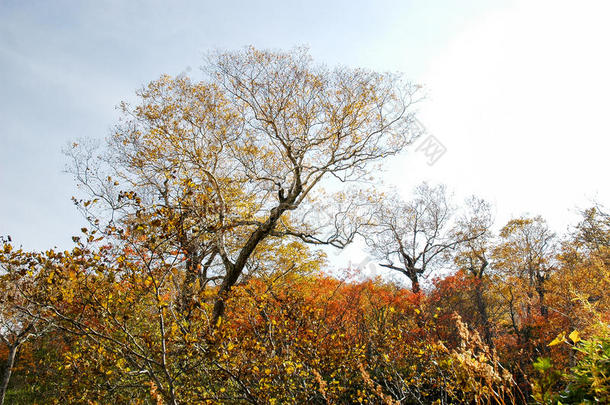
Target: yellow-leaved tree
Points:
(213, 168)
(204, 183)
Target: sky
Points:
(517, 91)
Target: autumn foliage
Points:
(117, 334)
(199, 279)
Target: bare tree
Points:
(414, 237)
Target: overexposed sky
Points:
(520, 100)
(517, 90)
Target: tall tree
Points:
(214, 168)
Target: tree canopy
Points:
(224, 163)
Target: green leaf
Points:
(542, 364)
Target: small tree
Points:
(414, 237)
(527, 252)
(593, 232)
(17, 323)
(474, 228)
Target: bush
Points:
(589, 380)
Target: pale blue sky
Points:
(518, 89)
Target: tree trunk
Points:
(187, 290)
(234, 270)
(412, 274)
(482, 308)
(415, 285)
(10, 362)
(544, 311)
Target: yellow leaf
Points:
(559, 339)
(574, 336)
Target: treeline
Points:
(198, 280)
(102, 326)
